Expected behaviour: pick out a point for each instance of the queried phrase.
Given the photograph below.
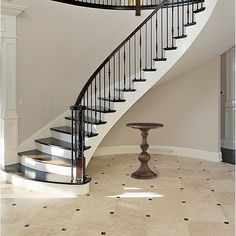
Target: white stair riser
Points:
(45, 167)
(87, 126)
(54, 151)
(65, 137)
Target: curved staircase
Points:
(134, 67)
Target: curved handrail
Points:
(83, 91)
(112, 4)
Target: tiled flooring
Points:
(190, 197)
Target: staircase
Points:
(135, 66)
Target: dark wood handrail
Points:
(84, 89)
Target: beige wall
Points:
(59, 46)
(187, 105)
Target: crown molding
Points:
(10, 9)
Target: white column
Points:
(229, 141)
(8, 115)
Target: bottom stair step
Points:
(32, 174)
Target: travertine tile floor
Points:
(190, 197)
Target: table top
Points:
(144, 125)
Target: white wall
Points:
(187, 105)
(59, 46)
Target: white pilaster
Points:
(230, 105)
(8, 115)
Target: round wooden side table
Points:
(144, 171)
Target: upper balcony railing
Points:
(136, 5)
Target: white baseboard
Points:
(177, 151)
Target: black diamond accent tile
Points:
(213, 190)
(203, 170)
(96, 183)
(183, 201)
(123, 184)
(63, 229)
(88, 194)
(150, 199)
(103, 233)
(112, 212)
(45, 206)
(178, 168)
(226, 222)
(14, 204)
(103, 173)
(77, 209)
(152, 186)
(186, 219)
(108, 165)
(180, 177)
(127, 174)
(148, 216)
(207, 179)
(218, 204)
(27, 225)
(181, 188)
(117, 197)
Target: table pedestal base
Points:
(144, 171)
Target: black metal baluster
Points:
(172, 23)
(114, 75)
(192, 10)
(146, 46)
(91, 104)
(95, 97)
(76, 143)
(100, 96)
(124, 56)
(140, 54)
(167, 25)
(135, 57)
(156, 37)
(129, 67)
(162, 35)
(72, 144)
(87, 111)
(119, 75)
(109, 85)
(151, 44)
(188, 13)
(178, 24)
(104, 84)
(183, 18)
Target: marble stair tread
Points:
(53, 142)
(39, 156)
(67, 130)
(32, 174)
